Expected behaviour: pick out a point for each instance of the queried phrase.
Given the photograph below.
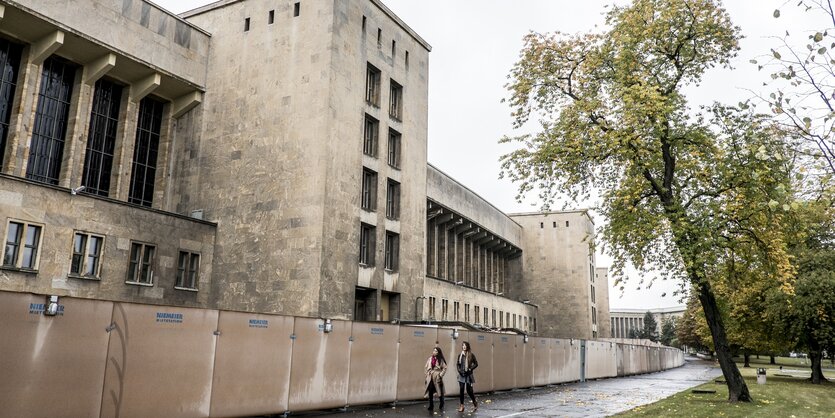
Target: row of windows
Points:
(373, 88)
(297, 7)
(368, 244)
(49, 133)
(380, 44)
(368, 198)
(499, 318)
(23, 240)
(371, 140)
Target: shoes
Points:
(461, 408)
(475, 406)
(431, 407)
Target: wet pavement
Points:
(596, 398)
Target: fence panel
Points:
(482, 345)
(373, 373)
(416, 344)
(542, 361)
(524, 362)
(320, 365)
(52, 365)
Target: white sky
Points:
(476, 42)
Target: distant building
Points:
(625, 321)
(259, 156)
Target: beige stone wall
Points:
(280, 159)
(61, 214)
(601, 286)
(558, 265)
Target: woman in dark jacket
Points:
(466, 364)
(435, 370)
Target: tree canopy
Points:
(684, 191)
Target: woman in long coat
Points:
(435, 370)
(466, 364)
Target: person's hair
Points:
(440, 355)
(466, 343)
(469, 351)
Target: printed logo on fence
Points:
(481, 338)
(419, 334)
(377, 331)
(259, 323)
(38, 308)
(170, 318)
(504, 339)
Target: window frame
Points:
(136, 271)
(20, 246)
(189, 272)
(392, 199)
(373, 85)
(395, 100)
(370, 136)
(367, 245)
(392, 252)
(394, 150)
(368, 194)
(85, 256)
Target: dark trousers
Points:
(432, 393)
(469, 389)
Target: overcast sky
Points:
(476, 42)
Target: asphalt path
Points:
(596, 398)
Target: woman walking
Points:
(466, 364)
(435, 370)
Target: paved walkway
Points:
(595, 398)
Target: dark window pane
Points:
(47, 147)
(148, 132)
(9, 68)
(101, 140)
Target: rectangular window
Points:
(188, 267)
(455, 308)
(271, 17)
(392, 251)
(394, 149)
(368, 200)
(9, 68)
(141, 267)
(407, 60)
(86, 255)
(393, 200)
(246, 25)
(486, 316)
(494, 317)
(466, 312)
(22, 243)
(379, 38)
(592, 294)
(526, 322)
(431, 307)
(101, 140)
(297, 8)
(367, 241)
(444, 309)
(51, 117)
(372, 86)
(501, 319)
(146, 149)
(371, 134)
(507, 319)
(393, 49)
(514, 320)
(396, 101)
(476, 313)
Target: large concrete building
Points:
(627, 321)
(260, 156)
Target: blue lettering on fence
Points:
(38, 308)
(481, 338)
(170, 318)
(259, 323)
(377, 331)
(504, 339)
(418, 333)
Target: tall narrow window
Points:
(455, 310)
(297, 8)
(392, 199)
(145, 152)
(394, 148)
(477, 314)
(407, 60)
(368, 200)
(466, 312)
(379, 38)
(431, 307)
(367, 241)
(372, 86)
(396, 98)
(371, 134)
(187, 267)
(393, 49)
(392, 251)
(140, 269)
(22, 243)
(51, 117)
(271, 17)
(9, 68)
(101, 140)
(86, 255)
(246, 25)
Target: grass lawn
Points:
(779, 397)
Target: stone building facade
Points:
(624, 321)
(258, 156)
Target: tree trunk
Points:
(737, 389)
(816, 357)
(772, 360)
(747, 357)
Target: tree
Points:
(678, 190)
(649, 332)
(668, 332)
(687, 328)
(634, 334)
(804, 78)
